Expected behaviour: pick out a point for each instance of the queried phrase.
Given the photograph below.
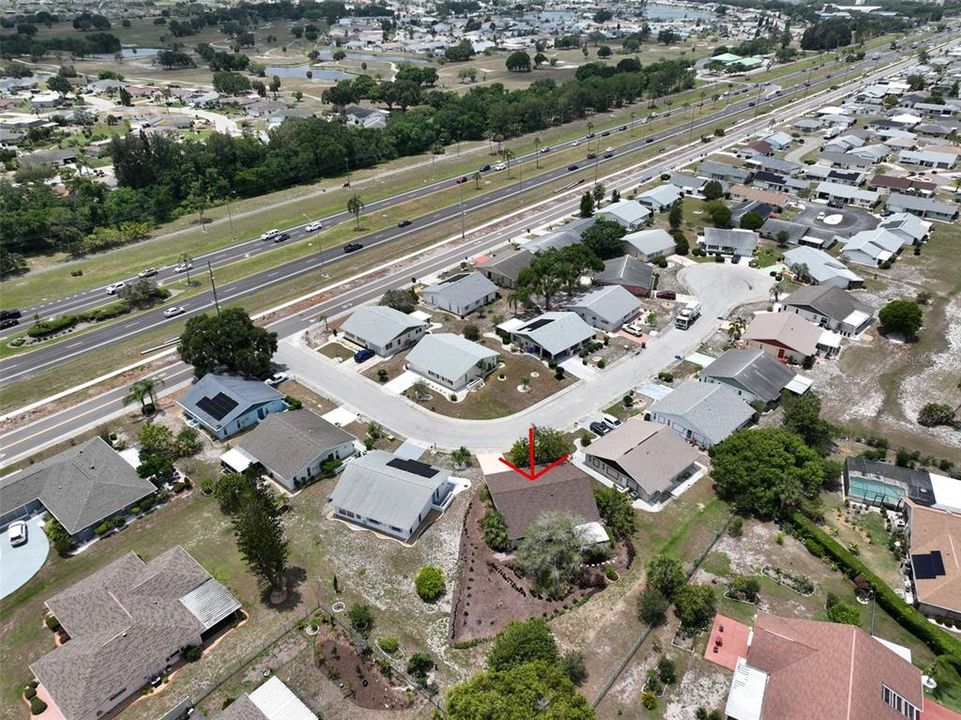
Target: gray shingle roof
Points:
(508, 264)
(773, 226)
(610, 303)
(913, 202)
(379, 324)
(655, 241)
(626, 271)
(124, 621)
(713, 411)
(832, 302)
(80, 486)
(630, 211)
(820, 266)
(370, 487)
(743, 241)
(712, 167)
(288, 442)
(245, 393)
(448, 355)
(755, 370)
(461, 290)
(556, 331)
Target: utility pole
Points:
(213, 285)
(462, 234)
(595, 166)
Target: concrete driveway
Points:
(720, 289)
(19, 564)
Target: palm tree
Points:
(187, 262)
(537, 152)
(141, 391)
(776, 290)
(508, 156)
(477, 179)
(518, 297)
(355, 206)
(736, 328)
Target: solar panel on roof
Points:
(217, 406)
(413, 467)
(928, 567)
(537, 324)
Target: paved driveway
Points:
(719, 287)
(19, 564)
(853, 220)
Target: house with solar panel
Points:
(890, 486)
(391, 495)
(223, 405)
(128, 624)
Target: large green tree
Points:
(260, 538)
(229, 340)
(766, 471)
(522, 642)
(534, 691)
(549, 445)
(550, 553)
(665, 574)
(901, 317)
(617, 512)
(695, 606)
(605, 238)
(802, 415)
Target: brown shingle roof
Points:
(787, 329)
(775, 199)
(938, 531)
(826, 670)
(522, 501)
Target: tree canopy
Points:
(549, 445)
(605, 238)
(901, 317)
(229, 340)
(665, 574)
(522, 642)
(616, 511)
(260, 537)
(519, 61)
(695, 606)
(766, 471)
(802, 416)
(550, 553)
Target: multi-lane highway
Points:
(98, 339)
(28, 439)
(95, 297)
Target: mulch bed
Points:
(489, 593)
(360, 680)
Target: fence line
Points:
(644, 635)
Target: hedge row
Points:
(54, 325)
(822, 545)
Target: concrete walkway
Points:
(719, 287)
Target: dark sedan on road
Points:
(282, 237)
(9, 322)
(10, 314)
(403, 223)
(484, 168)
(571, 168)
(353, 247)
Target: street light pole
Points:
(462, 235)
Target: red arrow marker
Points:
(532, 474)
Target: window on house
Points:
(892, 699)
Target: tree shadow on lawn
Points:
(296, 577)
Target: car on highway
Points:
(269, 235)
(314, 226)
(10, 314)
(282, 237)
(277, 378)
(571, 168)
(590, 135)
(116, 287)
(599, 428)
(608, 155)
(591, 156)
(605, 133)
(404, 223)
(183, 267)
(484, 168)
(353, 247)
(461, 180)
(18, 533)
(363, 355)
(174, 311)
(147, 272)
(9, 322)
(546, 149)
(622, 128)
(575, 143)
(499, 166)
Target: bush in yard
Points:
(37, 706)
(549, 445)
(550, 553)
(402, 300)
(666, 670)
(191, 653)
(418, 665)
(179, 487)
(388, 644)
(736, 527)
(361, 618)
(902, 317)
(522, 642)
(495, 531)
(934, 414)
(29, 693)
(695, 606)
(101, 529)
(839, 612)
(665, 574)
(533, 690)
(648, 700)
(652, 606)
(430, 583)
(52, 623)
(586, 438)
(616, 511)
(745, 587)
(472, 332)
(572, 665)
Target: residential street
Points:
(720, 288)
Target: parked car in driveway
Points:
(352, 247)
(18, 533)
(666, 295)
(314, 226)
(116, 287)
(599, 428)
(147, 272)
(363, 355)
(635, 330)
(277, 378)
(174, 311)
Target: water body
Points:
(674, 12)
(129, 52)
(300, 71)
(369, 57)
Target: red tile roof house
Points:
(806, 669)
(128, 623)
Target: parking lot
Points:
(842, 221)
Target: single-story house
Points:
(451, 360)
(271, 701)
(831, 308)
(779, 140)
(688, 184)
(876, 152)
(773, 227)
(225, 404)
(840, 194)
(606, 308)
(460, 294)
(644, 458)
(702, 413)
(660, 198)
(797, 669)
(628, 272)
(755, 148)
(768, 197)
(383, 329)
(776, 164)
(390, 494)
(911, 228)
(872, 247)
(294, 447)
(375, 118)
(564, 489)
(81, 487)
(906, 184)
(128, 623)
(630, 214)
(648, 244)
(762, 210)
(821, 268)
(565, 236)
(729, 242)
(806, 125)
(752, 374)
(787, 336)
(54, 156)
(771, 181)
(553, 335)
(714, 170)
(503, 269)
(923, 207)
(885, 485)
(845, 160)
(928, 158)
(935, 552)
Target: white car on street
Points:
(184, 267)
(174, 311)
(269, 235)
(313, 226)
(147, 272)
(499, 166)
(116, 287)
